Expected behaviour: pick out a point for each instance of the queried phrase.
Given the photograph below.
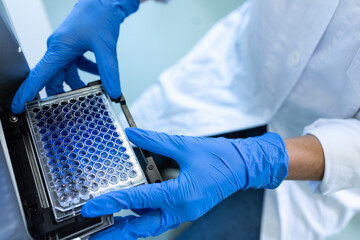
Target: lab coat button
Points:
(295, 58)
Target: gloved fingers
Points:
(45, 70)
(107, 63)
(149, 224)
(86, 65)
(56, 84)
(171, 146)
(140, 197)
(72, 77)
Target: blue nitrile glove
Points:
(211, 169)
(69, 74)
(92, 25)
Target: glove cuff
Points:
(268, 164)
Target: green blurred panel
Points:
(155, 37)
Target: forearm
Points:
(306, 158)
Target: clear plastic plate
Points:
(82, 148)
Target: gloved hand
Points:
(211, 169)
(69, 74)
(92, 25)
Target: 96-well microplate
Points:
(82, 148)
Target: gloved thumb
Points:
(140, 197)
(107, 63)
(161, 143)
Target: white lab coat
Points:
(294, 65)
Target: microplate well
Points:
(82, 148)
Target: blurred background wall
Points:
(155, 37)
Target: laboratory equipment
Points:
(37, 202)
(82, 148)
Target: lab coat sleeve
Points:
(340, 140)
